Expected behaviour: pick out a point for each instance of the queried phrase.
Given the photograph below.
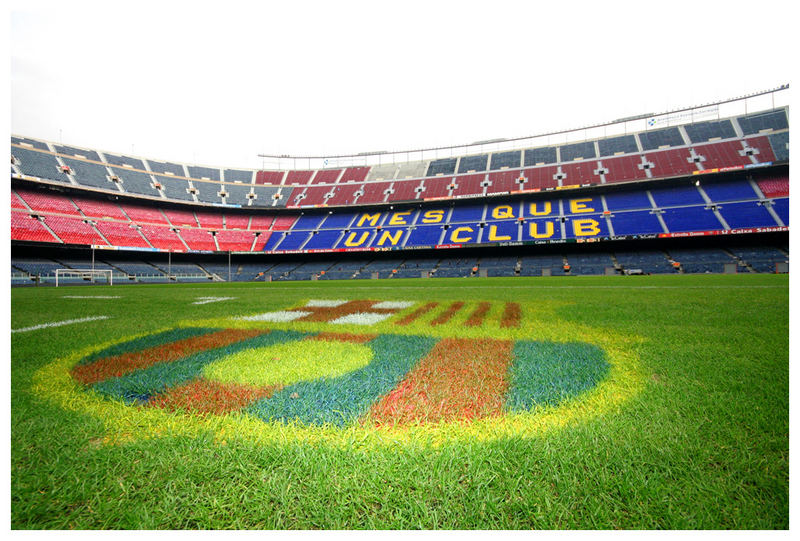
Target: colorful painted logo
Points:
(357, 365)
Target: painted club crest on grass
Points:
(360, 365)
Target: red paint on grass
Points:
(445, 316)
(413, 316)
(210, 397)
(460, 379)
(477, 317)
(119, 365)
(343, 337)
(511, 315)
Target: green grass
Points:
(702, 442)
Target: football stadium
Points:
(580, 329)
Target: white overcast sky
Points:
(219, 82)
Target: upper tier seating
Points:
(623, 144)
(175, 188)
(701, 132)
(326, 176)
(203, 173)
(298, 178)
(578, 151)
(273, 178)
(666, 137)
(237, 194)
(265, 196)
(38, 164)
(468, 164)
(77, 152)
(654, 153)
(540, 156)
(779, 142)
(445, 166)
(89, 174)
(760, 122)
(236, 175)
(510, 159)
(29, 143)
(208, 192)
(126, 162)
(136, 182)
(166, 167)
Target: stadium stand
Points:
(705, 179)
(623, 144)
(136, 182)
(38, 164)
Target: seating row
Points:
(738, 203)
(745, 141)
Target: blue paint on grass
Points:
(549, 373)
(162, 376)
(341, 400)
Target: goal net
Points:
(87, 275)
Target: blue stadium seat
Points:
(576, 151)
(510, 159)
(308, 222)
(751, 214)
(473, 163)
(424, 235)
(685, 219)
(468, 213)
(323, 240)
(678, 196)
(701, 132)
(781, 207)
(78, 152)
(635, 223)
(535, 156)
(755, 123)
(175, 188)
(38, 164)
(203, 172)
(780, 145)
(651, 140)
(737, 190)
(121, 161)
(632, 200)
(90, 174)
(135, 182)
(445, 166)
(624, 144)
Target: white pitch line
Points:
(91, 297)
(59, 323)
(206, 300)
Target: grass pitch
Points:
(690, 429)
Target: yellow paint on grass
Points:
(290, 362)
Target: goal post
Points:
(86, 274)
